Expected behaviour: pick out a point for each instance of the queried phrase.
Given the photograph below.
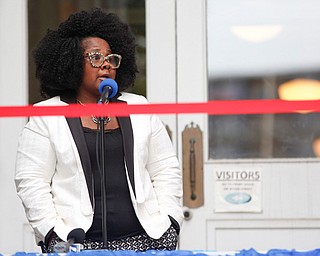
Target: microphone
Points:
(108, 88)
(74, 242)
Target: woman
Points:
(58, 176)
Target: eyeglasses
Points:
(97, 59)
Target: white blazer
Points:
(54, 182)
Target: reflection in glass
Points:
(253, 48)
(258, 136)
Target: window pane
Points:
(49, 13)
(253, 48)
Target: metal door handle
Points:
(192, 160)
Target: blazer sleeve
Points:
(35, 166)
(164, 170)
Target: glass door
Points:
(259, 171)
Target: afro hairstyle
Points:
(59, 54)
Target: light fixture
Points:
(300, 89)
(256, 34)
(316, 147)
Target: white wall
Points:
(13, 91)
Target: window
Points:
(253, 48)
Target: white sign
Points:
(238, 190)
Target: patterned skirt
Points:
(168, 241)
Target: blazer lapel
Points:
(78, 136)
(127, 136)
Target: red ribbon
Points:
(216, 107)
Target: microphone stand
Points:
(102, 121)
(106, 87)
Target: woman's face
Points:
(93, 76)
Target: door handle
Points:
(192, 160)
(193, 196)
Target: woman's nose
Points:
(106, 65)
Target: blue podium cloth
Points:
(250, 252)
(119, 253)
(278, 252)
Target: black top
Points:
(121, 218)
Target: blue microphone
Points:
(108, 88)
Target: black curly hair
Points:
(59, 55)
